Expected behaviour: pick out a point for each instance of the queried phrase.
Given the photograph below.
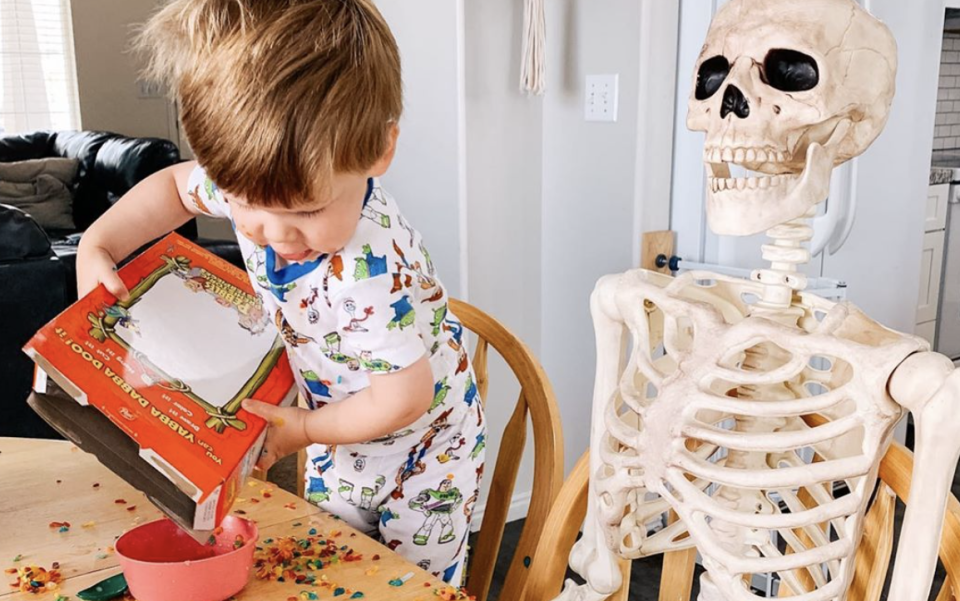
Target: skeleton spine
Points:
(785, 253)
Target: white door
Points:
(930, 269)
(937, 202)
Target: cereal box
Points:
(168, 369)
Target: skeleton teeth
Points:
(745, 155)
(720, 184)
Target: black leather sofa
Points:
(38, 268)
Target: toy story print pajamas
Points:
(375, 307)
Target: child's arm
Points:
(154, 207)
(393, 401)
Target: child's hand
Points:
(286, 431)
(94, 267)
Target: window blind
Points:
(38, 82)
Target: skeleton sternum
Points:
(737, 540)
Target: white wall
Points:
(427, 176)
(504, 154)
(553, 201)
(588, 191)
(107, 71)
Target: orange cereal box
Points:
(157, 380)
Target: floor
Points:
(645, 575)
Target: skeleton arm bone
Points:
(928, 385)
(590, 557)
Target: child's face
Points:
(323, 226)
(304, 233)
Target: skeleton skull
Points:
(788, 90)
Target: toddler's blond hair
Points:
(278, 95)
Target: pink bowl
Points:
(161, 562)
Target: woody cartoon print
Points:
(375, 307)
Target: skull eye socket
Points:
(790, 71)
(710, 76)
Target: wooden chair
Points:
(536, 399)
(873, 556)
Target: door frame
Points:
(656, 114)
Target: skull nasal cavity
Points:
(734, 102)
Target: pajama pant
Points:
(418, 501)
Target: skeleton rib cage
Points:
(751, 440)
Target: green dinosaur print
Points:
(440, 390)
(439, 315)
(378, 365)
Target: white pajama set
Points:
(374, 307)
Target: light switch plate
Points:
(601, 97)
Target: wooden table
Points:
(44, 481)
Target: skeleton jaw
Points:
(749, 205)
(777, 193)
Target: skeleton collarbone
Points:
(745, 426)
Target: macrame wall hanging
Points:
(532, 69)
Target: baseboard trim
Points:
(519, 506)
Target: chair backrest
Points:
(676, 581)
(537, 401)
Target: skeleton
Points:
(755, 413)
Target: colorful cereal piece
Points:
(401, 580)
